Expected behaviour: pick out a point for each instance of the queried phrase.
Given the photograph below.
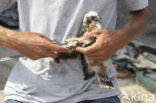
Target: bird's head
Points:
(91, 18)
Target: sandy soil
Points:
(133, 93)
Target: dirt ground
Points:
(133, 93)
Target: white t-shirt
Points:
(43, 81)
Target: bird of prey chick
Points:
(90, 68)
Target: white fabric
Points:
(43, 81)
(134, 5)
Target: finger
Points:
(48, 53)
(102, 55)
(57, 48)
(61, 49)
(51, 54)
(52, 51)
(94, 59)
(89, 35)
(97, 58)
(89, 50)
(98, 52)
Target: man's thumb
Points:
(87, 36)
(80, 49)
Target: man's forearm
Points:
(30, 44)
(5, 35)
(2, 36)
(135, 26)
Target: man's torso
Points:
(43, 80)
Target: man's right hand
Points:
(30, 44)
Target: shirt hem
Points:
(73, 100)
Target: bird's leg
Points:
(100, 83)
(102, 77)
(103, 70)
(86, 68)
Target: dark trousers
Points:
(114, 99)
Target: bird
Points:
(90, 68)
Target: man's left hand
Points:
(105, 46)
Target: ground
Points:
(5, 68)
(135, 93)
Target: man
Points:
(36, 78)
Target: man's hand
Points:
(108, 42)
(30, 44)
(104, 47)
